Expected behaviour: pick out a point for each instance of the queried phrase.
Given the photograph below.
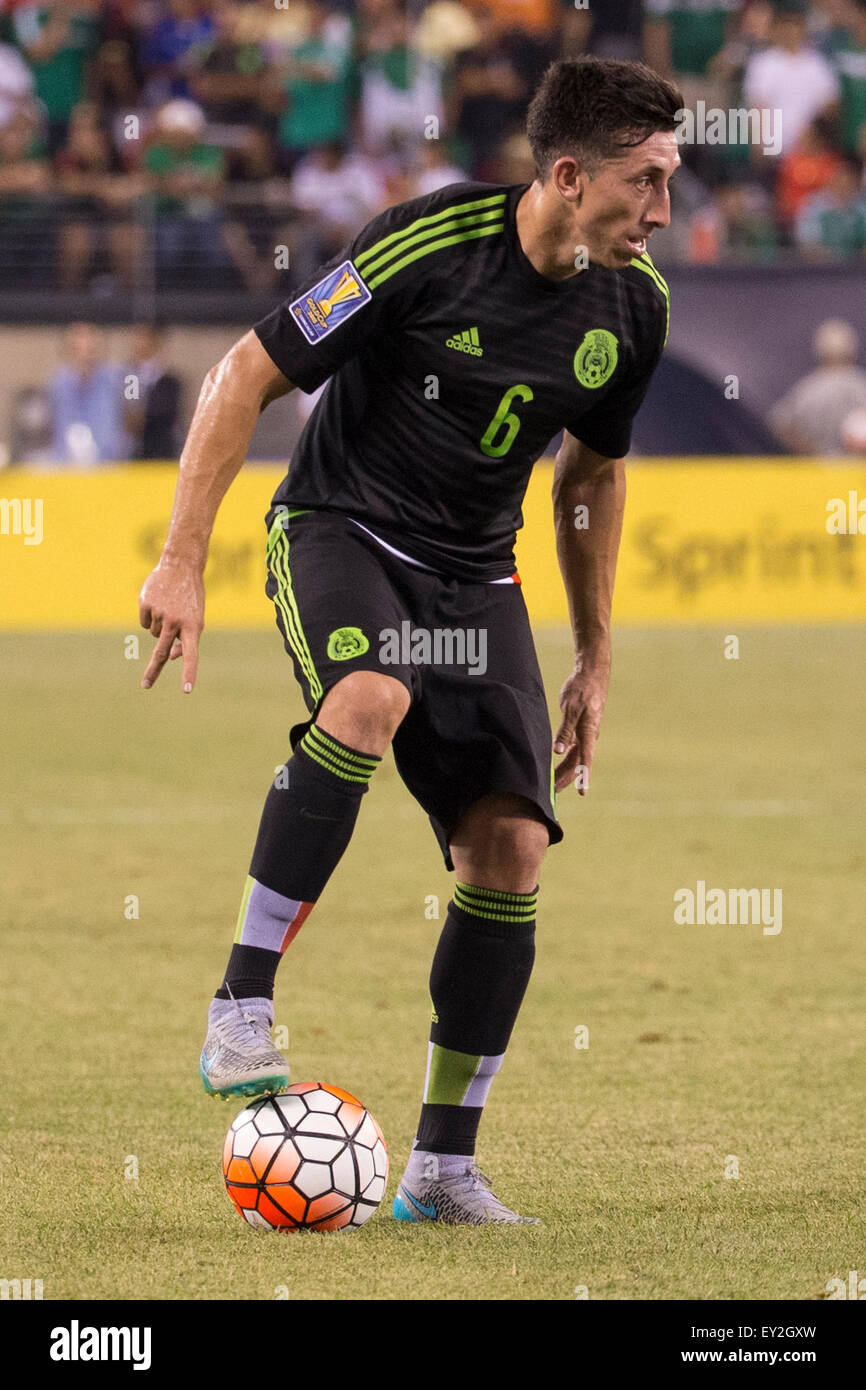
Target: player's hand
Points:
(581, 700)
(171, 606)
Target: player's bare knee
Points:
(501, 843)
(364, 710)
(516, 850)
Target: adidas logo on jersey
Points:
(467, 341)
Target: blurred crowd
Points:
(96, 410)
(224, 141)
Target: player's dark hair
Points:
(596, 109)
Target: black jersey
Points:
(453, 362)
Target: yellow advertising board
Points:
(704, 541)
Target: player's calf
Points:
(306, 825)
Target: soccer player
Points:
(458, 333)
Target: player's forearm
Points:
(231, 399)
(588, 513)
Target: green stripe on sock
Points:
(248, 888)
(450, 1076)
(341, 757)
(361, 758)
(494, 904)
(475, 891)
(339, 766)
(496, 897)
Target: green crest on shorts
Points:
(347, 642)
(596, 358)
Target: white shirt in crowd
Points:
(16, 83)
(799, 85)
(347, 196)
(817, 407)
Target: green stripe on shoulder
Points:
(496, 200)
(646, 265)
(438, 245)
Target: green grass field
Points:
(705, 1042)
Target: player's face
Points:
(627, 199)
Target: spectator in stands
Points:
(827, 19)
(400, 88)
(26, 234)
(810, 419)
(97, 209)
(435, 168)
(444, 29)
(682, 39)
(791, 76)
(87, 402)
(850, 62)
(58, 38)
(604, 28)
(512, 161)
(16, 84)
(186, 175)
(339, 191)
(278, 87)
(491, 89)
(807, 170)
(30, 427)
(336, 191)
(151, 419)
(533, 18)
(832, 225)
(315, 79)
(746, 34)
(737, 225)
(227, 74)
(168, 50)
(114, 84)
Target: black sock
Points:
(480, 972)
(308, 820)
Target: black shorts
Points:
(478, 722)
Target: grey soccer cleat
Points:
(462, 1200)
(238, 1057)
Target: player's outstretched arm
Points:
(233, 395)
(588, 505)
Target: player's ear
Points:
(569, 178)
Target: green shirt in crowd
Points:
(317, 110)
(697, 30)
(850, 61)
(59, 79)
(166, 159)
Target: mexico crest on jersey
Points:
(596, 358)
(320, 310)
